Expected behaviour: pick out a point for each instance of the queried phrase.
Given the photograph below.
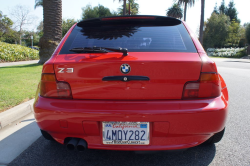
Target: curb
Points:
(9, 116)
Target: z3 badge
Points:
(67, 70)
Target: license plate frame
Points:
(144, 126)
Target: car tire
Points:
(215, 138)
(47, 135)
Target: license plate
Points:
(127, 133)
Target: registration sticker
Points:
(126, 133)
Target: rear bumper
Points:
(173, 124)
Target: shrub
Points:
(241, 53)
(13, 53)
(227, 52)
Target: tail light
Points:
(207, 87)
(51, 88)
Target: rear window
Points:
(134, 38)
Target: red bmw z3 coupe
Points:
(131, 83)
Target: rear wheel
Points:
(47, 135)
(216, 137)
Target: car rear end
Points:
(165, 94)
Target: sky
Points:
(73, 9)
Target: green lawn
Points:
(18, 84)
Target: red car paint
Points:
(174, 123)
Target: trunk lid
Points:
(167, 72)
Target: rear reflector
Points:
(126, 18)
(53, 89)
(207, 87)
(191, 90)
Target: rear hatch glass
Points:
(146, 38)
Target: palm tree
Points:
(38, 3)
(52, 27)
(124, 6)
(132, 8)
(202, 21)
(186, 3)
(175, 11)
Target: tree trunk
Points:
(124, 7)
(202, 21)
(129, 8)
(52, 28)
(185, 11)
(20, 40)
(20, 35)
(248, 50)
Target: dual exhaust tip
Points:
(76, 143)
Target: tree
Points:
(11, 37)
(248, 38)
(27, 38)
(132, 6)
(175, 11)
(124, 6)
(66, 25)
(202, 21)
(222, 7)
(231, 11)
(88, 12)
(242, 35)
(22, 17)
(217, 31)
(96, 12)
(186, 3)
(216, 10)
(234, 34)
(7, 34)
(52, 28)
(5, 26)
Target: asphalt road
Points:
(234, 149)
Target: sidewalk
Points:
(18, 63)
(229, 59)
(17, 137)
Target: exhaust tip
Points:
(82, 145)
(72, 143)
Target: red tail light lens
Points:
(207, 87)
(54, 89)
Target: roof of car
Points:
(139, 19)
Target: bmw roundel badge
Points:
(125, 68)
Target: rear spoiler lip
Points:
(132, 18)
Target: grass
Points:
(18, 84)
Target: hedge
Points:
(227, 52)
(14, 52)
